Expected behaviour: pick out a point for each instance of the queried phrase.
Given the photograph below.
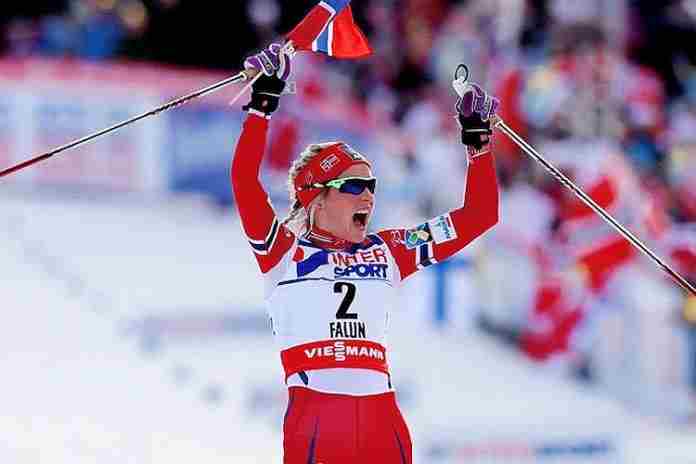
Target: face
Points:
(346, 215)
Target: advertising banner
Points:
(45, 104)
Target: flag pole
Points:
(249, 74)
(242, 76)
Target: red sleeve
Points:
(268, 238)
(443, 236)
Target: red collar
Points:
(327, 240)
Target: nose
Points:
(366, 194)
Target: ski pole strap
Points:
(326, 354)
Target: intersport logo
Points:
(340, 350)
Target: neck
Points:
(326, 239)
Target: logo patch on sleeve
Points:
(442, 229)
(418, 236)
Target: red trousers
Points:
(324, 428)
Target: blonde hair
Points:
(299, 219)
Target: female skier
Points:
(330, 284)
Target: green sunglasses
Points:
(352, 185)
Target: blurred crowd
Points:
(606, 89)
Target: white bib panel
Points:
(335, 295)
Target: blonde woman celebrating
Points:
(330, 284)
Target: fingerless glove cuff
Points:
(475, 132)
(265, 95)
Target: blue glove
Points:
(475, 108)
(274, 63)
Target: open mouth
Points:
(360, 219)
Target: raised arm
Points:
(443, 236)
(447, 234)
(269, 240)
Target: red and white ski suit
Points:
(329, 302)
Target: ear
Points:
(321, 198)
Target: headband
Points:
(328, 164)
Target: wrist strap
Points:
(258, 113)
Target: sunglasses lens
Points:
(372, 185)
(357, 186)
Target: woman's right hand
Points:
(274, 63)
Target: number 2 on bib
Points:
(342, 312)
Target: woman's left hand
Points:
(475, 109)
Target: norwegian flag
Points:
(329, 28)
